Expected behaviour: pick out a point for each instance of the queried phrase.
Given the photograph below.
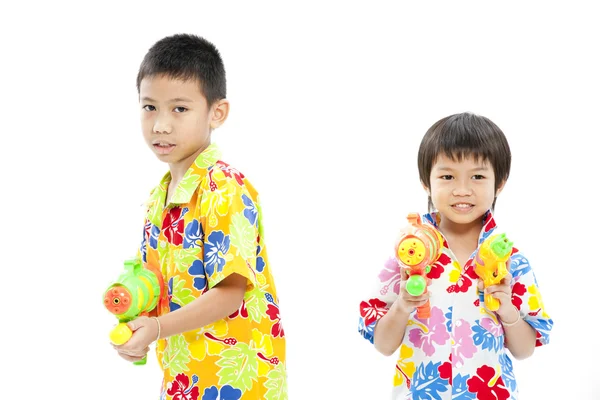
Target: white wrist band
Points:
(158, 324)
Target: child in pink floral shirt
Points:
(461, 350)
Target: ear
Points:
(219, 113)
(500, 188)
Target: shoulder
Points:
(223, 175)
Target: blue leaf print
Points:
(154, 233)
(260, 264)
(250, 212)
(543, 326)
(366, 332)
(508, 375)
(519, 265)
(482, 337)
(460, 389)
(427, 383)
(194, 234)
(172, 306)
(215, 249)
(197, 271)
(227, 392)
(448, 316)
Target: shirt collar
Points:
(488, 224)
(186, 188)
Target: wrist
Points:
(158, 328)
(510, 320)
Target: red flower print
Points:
(273, 313)
(518, 290)
(445, 371)
(242, 311)
(173, 225)
(180, 388)
(231, 172)
(487, 385)
(464, 283)
(437, 269)
(372, 311)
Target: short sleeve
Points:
(230, 231)
(377, 303)
(527, 298)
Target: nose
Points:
(162, 125)
(462, 188)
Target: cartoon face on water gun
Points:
(136, 292)
(419, 247)
(491, 265)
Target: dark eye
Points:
(478, 177)
(180, 109)
(446, 177)
(148, 107)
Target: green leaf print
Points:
(256, 304)
(185, 257)
(243, 236)
(276, 383)
(185, 189)
(239, 367)
(181, 295)
(177, 355)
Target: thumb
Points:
(134, 325)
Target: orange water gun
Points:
(419, 246)
(136, 292)
(491, 265)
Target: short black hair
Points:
(187, 56)
(465, 135)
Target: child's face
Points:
(462, 191)
(176, 119)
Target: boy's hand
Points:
(407, 302)
(503, 292)
(144, 331)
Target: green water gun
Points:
(135, 293)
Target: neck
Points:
(179, 168)
(464, 231)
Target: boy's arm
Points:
(519, 335)
(219, 302)
(214, 305)
(389, 330)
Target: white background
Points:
(329, 103)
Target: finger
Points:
(135, 353)
(503, 298)
(130, 358)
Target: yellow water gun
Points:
(419, 246)
(491, 265)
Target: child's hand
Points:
(145, 331)
(503, 292)
(407, 302)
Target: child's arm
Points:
(218, 303)
(521, 296)
(383, 318)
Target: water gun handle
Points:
(120, 335)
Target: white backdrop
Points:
(329, 103)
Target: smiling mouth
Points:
(463, 206)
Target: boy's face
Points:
(462, 191)
(176, 119)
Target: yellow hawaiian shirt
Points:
(211, 229)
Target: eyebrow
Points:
(444, 168)
(175, 100)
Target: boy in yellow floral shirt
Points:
(217, 324)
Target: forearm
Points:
(217, 303)
(389, 330)
(519, 338)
